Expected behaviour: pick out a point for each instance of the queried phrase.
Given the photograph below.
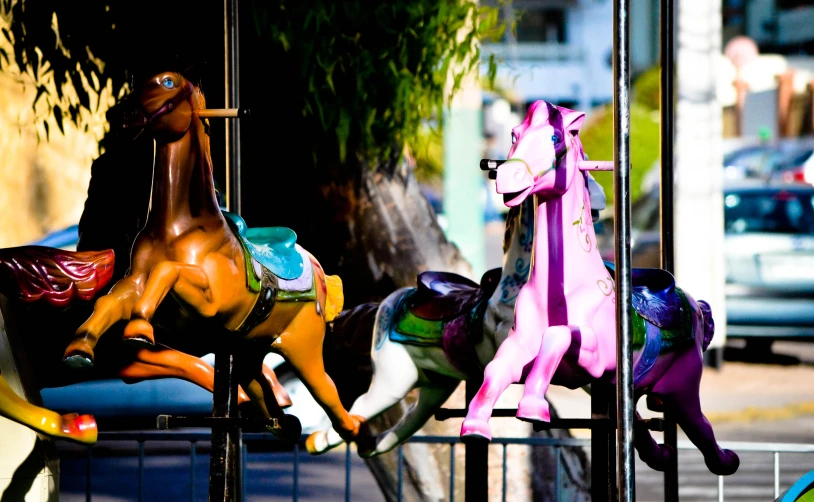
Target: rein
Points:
(143, 120)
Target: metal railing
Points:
(194, 438)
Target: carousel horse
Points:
(565, 316)
(194, 264)
(43, 283)
(431, 337)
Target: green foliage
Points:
(647, 88)
(645, 139)
(428, 151)
(597, 139)
(375, 72)
(368, 74)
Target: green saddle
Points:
(274, 247)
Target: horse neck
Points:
(517, 256)
(183, 189)
(565, 250)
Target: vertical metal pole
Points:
(621, 191)
(89, 473)
(224, 477)
(232, 87)
(192, 457)
(476, 456)
(667, 15)
(140, 471)
(603, 444)
(224, 464)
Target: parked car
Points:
(645, 238)
(769, 256)
(112, 400)
(782, 160)
(769, 247)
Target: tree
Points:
(337, 90)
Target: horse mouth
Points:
(511, 196)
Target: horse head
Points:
(538, 162)
(164, 104)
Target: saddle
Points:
(654, 295)
(441, 296)
(274, 247)
(446, 310)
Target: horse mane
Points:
(511, 224)
(34, 273)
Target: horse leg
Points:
(78, 428)
(250, 376)
(519, 348)
(151, 363)
(679, 388)
(430, 398)
(301, 344)
(394, 376)
(655, 455)
(533, 407)
(107, 311)
(189, 282)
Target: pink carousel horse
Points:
(565, 315)
(432, 336)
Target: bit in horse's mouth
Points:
(507, 197)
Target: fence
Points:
(764, 457)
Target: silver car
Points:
(770, 261)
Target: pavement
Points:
(748, 397)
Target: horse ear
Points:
(572, 121)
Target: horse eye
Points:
(514, 138)
(168, 82)
(555, 139)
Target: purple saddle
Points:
(441, 296)
(654, 295)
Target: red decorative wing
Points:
(34, 273)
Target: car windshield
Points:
(774, 212)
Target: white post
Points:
(699, 238)
(29, 468)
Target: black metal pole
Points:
(667, 20)
(621, 193)
(224, 463)
(603, 444)
(476, 457)
(224, 473)
(232, 86)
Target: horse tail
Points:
(335, 298)
(709, 323)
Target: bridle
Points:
(141, 119)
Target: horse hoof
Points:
(725, 467)
(291, 429)
(367, 447)
(78, 360)
(475, 430)
(660, 459)
(139, 332)
(317, 443)
(533, 409)
(81, 429)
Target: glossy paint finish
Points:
(565, 316)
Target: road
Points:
(167, 475)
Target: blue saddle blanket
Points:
(274, 247)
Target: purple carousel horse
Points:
(565, 316)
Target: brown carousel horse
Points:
(45, 290)
(193, 264)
